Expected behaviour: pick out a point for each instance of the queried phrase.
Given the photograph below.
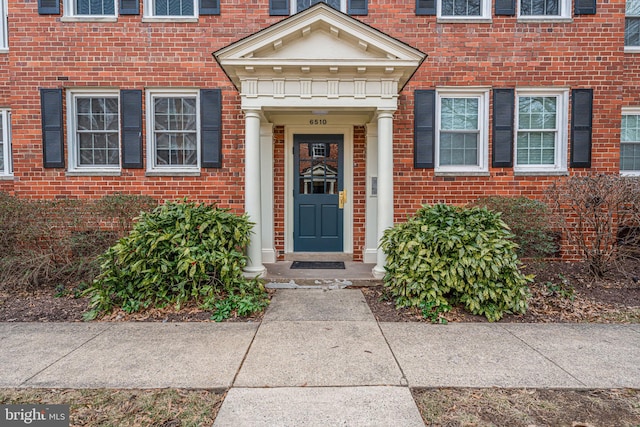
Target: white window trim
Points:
(562, 123)
(628, 111)
(152, 168)
(485, 14)
(566, 10)
(150, 17)
(293, 6)
(5, 118)
(4, 33)
(483, 123)
(70, 14)
(72, 143)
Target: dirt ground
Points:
(561, 292)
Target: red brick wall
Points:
(129, 54)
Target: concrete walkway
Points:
(318, 358)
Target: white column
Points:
(385, 184)
(252, 192)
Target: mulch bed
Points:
(616, 299)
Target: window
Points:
(94, 131)
(545, 9)
(630, 142)
(632, 24)
(90, 8)
(173, 131)
(461, 137)
(6, 168)
(171, 9)
(300, 5)
(541, 131)
(4, 41)
(464, 9)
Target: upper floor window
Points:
(630, 142)
(300, 5)
(171, 9)
(464, 9)
(4, 40)
(632, 24)
(173, 131)
(90, 8)
(545, 9)
(462, 131)
(94, 125)
(6, 168)
(541, 130)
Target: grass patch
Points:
(528, 407)
(127, 407)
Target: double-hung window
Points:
(632, 25)
(545, 9)
(171, 9)
(94, 131)
(5, 143)
(630, 142)
(173, 131)
(541, 130)
(90, 9)
(300, 5)
(464, 9)
(462, 130)
(4, 39)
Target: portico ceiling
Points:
(319, 57)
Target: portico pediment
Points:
(316, 57)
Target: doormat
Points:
(317, 265)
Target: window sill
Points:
(542, 20)
(172, 173)
(4, 50)
(474, 20)
(173, 19)
(462, 173)
(7, 178)
(632, 49)
(630, 173)
(101, 172)
(541, 173)
(89, 19)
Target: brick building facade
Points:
(230, 101)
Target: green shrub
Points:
(445, 255)
(179, 252)
(530, 222)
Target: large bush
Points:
(446, 255)
(178, 252)
(530, 222)
(600, 217)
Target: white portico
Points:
(318, 72)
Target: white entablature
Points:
(319, 57)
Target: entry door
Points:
(318, 175)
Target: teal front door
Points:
(318, 183)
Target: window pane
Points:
(174, 7)
(2, 142)
(632, 32)
(537, 112)
(458, 149)
(175, 125)
(632, 8)
(630, 157)
(536, 148)
(459, 113)
(630, 128)
(95, 7)
(97, 121)
(460, 8)
(539, 7)
(304, 4)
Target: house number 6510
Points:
(318, 122)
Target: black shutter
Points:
(129, 7)
(581, 121)
(49, 7)
(358, 7)
(503, 111)
(279, 7)
(425, 7)
(424, 117)
(209, 7)
(131, 132)
(211, 127)
(52, 129)
(585, 7)
(505, 7)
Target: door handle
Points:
(342, 199)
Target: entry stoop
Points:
(281, 276)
